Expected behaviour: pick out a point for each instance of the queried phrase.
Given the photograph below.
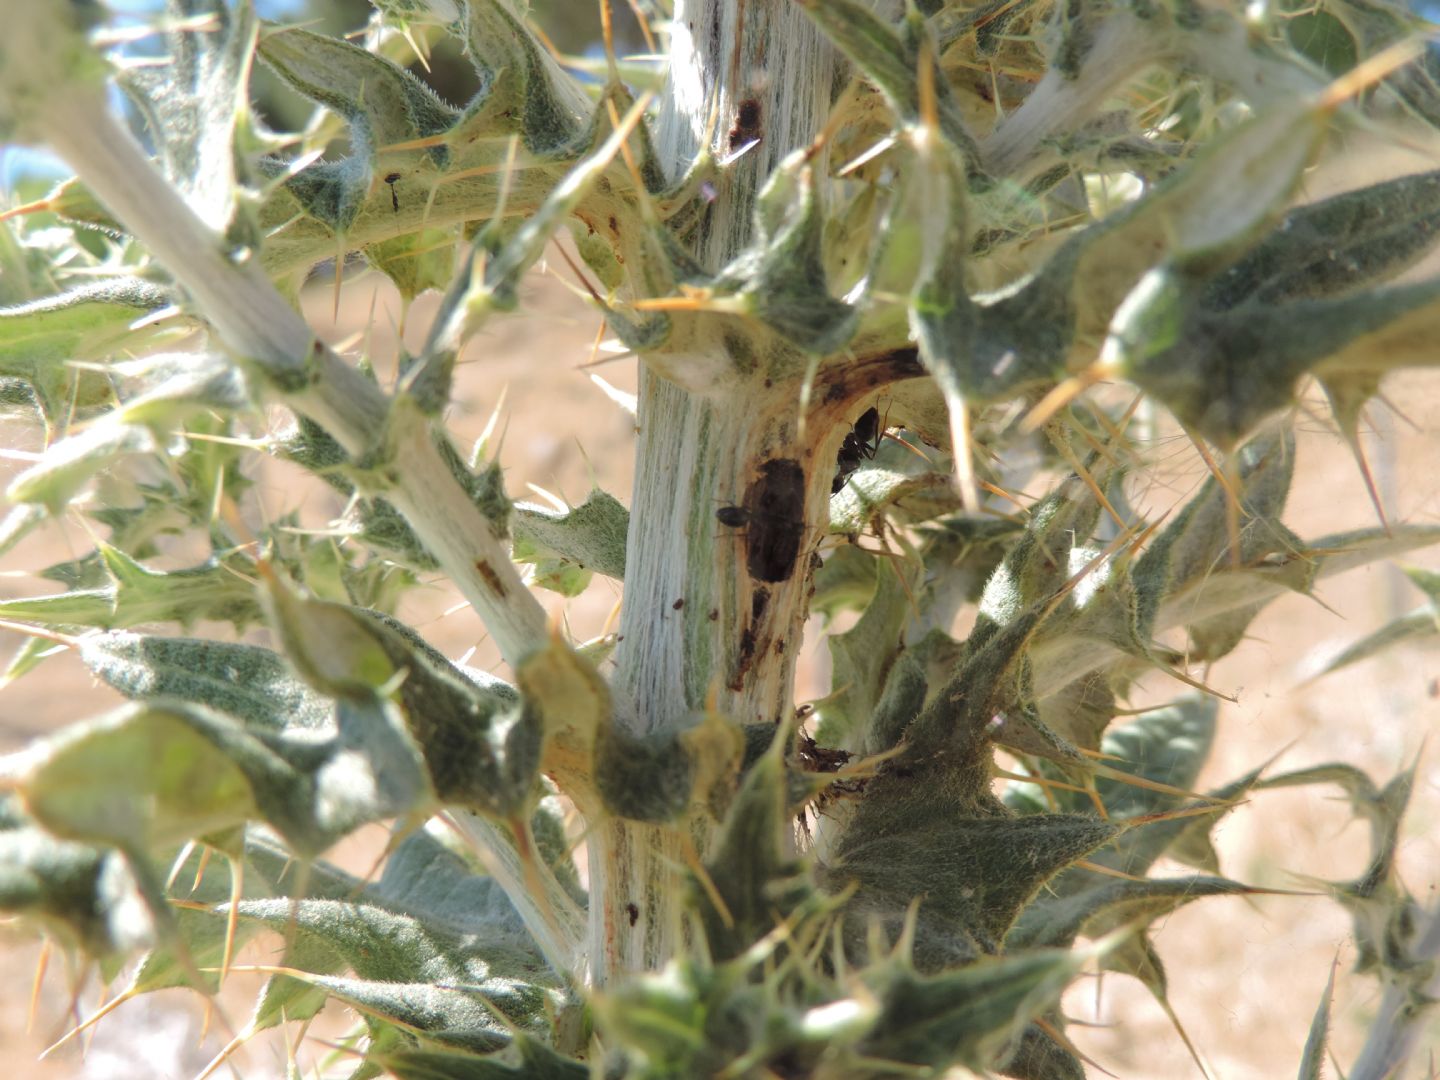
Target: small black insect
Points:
(733, 517)
(394, 198)
(773, 516)
(862, 443)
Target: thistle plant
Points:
(876, 261)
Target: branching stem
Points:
(257, 323)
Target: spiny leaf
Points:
(384, 945)
(462, 1016)
(990, 679)
(1179, 353)
(902, 696)
(590, 536)
(69, 464)
(758, 883)
(1195, 553)
(967, 1016)
(84, 895)
(1081, 711)
(1137, 848)
(1384, 914)
(845, 582)
(430, 877)
(1038, 1056)
(165, 781)
(489, 274)
(781, 279)
(862, 657)
(1038, 564)
(38, 339)
(892, 61)
(1168, 745)
(974, 874)
(416, 262)
(203, 886)
(523, 1059)
(1423, 622)
(172, 772)
(139, 595)
(194, 104)
(1312, 1063)
(479, 749)
(1323, 39)
(869, 492)
(163, 389)
(518, 74)
(1057, 920)
(572, 704)
(1238, 594)
(382, 103)
(1204, 215)
(31, 653)
(1336, 245)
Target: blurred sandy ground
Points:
(1245, 977)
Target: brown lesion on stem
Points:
(786, 492)
(492, 579)
(843, 384)
(747, 124)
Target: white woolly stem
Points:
(690, 627)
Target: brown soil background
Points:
(1245, 977)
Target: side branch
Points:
(255, 321)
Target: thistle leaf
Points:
(862, 657)
(462, 1016)
(383, 105)
(479, 750)
(194, 105)
(1203, 217)
(975, 874)
(1336, 245)
(138, 595)
(86, 896)
(164, 781)
(588, 537)
(1312, 1063)
(571, 700)
(1056, 921)
(968, 1016)
(1383, 913)
(416, 261)
(1423, 622)
(71, 463)
(1168, 745)
(202, 928)
(523, 1059)
(1172, 348)
(781, 279)
(38, 339)
(846, 581)
(519, 75)
(892, 61)
(1195, 554)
